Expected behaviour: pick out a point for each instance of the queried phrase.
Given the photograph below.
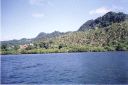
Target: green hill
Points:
(112, 36)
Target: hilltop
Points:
(104, 21)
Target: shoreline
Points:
(65, 52)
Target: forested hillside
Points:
(110, 37)
(113, 37)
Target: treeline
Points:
(111, 38)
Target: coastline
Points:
(67, 52)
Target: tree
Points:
(16, 47)
(4, 47)
(61, 46)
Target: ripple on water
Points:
(78, 68)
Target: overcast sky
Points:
(27, 18)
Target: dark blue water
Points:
(65, 68)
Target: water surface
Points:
(65, 68)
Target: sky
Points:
(27, 18)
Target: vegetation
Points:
(108, 38)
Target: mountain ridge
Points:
(106, 33)
(100, 22)
(43, 35)
(104, 21)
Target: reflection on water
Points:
(68, 68)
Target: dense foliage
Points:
(16, 42)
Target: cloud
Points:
(40, 2)
(104, 10)
(35, 2)
(37, 15)
(99, 11)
